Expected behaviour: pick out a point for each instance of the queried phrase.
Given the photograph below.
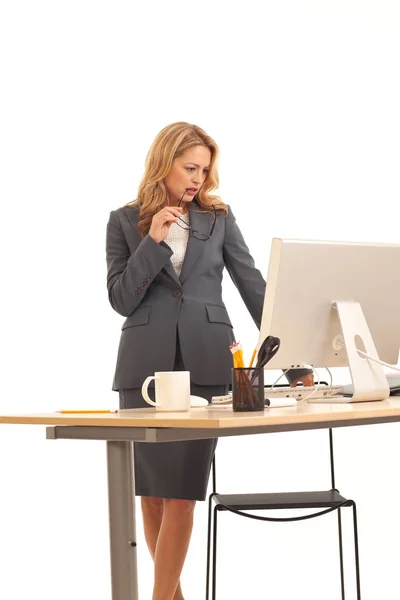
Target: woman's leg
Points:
(166, 569)
(171, 548)
(152, 511)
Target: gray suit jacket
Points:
(144, 287)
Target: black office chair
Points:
(328, 501)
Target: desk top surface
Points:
(219, 417)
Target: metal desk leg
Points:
(121, 499)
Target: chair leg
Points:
(214, 567)
(214, 551)
(210, 500)
(356, 553)
(339, 514)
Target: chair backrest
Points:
(331, 456)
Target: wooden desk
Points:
(145, 425)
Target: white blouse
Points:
(177, 240)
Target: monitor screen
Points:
(307, 282)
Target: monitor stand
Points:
(369, 379)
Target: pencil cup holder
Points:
(247, 389)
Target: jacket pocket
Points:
(218, 314)
(139, 317)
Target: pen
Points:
(80, 412)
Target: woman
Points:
(166, 252)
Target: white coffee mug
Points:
(172, 390)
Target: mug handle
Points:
(144, 390)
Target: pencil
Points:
(253, 357)
(81, 412)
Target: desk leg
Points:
(121, 501)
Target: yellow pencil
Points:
(253, 357)
(81, 412)
(237, 352)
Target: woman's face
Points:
(188, 172)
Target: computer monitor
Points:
(327, 300)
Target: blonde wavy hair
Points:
(171, 142)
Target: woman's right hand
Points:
(162, 221)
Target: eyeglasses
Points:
(198, 234)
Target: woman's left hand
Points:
(307, 380)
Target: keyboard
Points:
(299, 392)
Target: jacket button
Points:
(177, 293)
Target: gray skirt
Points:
(172, 469)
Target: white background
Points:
(303, 98)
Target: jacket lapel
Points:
(201, 222)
